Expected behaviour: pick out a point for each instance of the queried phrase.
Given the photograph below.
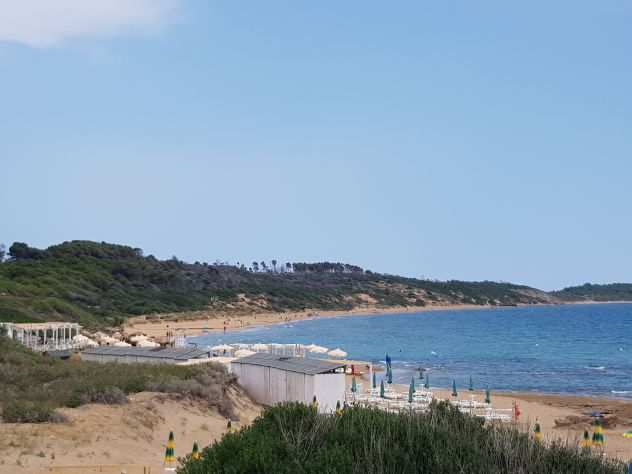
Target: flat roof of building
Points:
(291, 364)
(42, 326)
(175, 353)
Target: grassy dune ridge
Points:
(294, 439)
(101, 284)
(33, 387)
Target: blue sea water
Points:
(576, 349)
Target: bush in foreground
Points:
(32, 386)
(293, 439)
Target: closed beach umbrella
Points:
(537, 432)
(315, 403)
(170, 454)
(454, 392)
(337, 353)
(427, 382)
(471, 388)
(338, 409)
(597, 438)
(382, 388)
(195, 454)
(411, 391)
(412, 384)
(389, 375)
(488, 396)
(354, 385)
(586, 442)
(374, 381)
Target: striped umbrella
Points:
(454, 392)
(597, 437)
(488, 396)
(471, 388)
(382, 389)
(586, 442)
(427, 382)
(537, 432)
(170, 454)
(196, 451)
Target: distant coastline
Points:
(199, 322)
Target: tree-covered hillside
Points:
(589, 292)
(101, 284)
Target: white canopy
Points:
(222, 347)
(338, 353)
(259, 347)
(244, 353)
(147, 343)
(318, 349)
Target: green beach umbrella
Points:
(488, 396)
(471, 389)
(195, 454)
(597, 438)
(454, 392)
(411, 390)
(537, 432)
(382, 388)
(412, 384)
(170, 454)
(427, 382)
(374, 381)
(354, 385)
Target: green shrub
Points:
(293, 439)
(21, 411)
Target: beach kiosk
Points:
(271, 379)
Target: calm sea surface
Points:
(578, 349)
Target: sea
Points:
(566, 349)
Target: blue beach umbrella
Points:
(454, 392)
(354, 385)
(471, 388)
(389, 375)
(427, 382)
(388, 360)
(382, 389)
(374, 381)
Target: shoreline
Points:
(156, 326)
(200, 322)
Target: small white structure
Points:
(271, 379)
(43, 337)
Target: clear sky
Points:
(453, 139)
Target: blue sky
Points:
(469, 140)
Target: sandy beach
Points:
(196, 322)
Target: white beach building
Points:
(44, 337)
(271, 379)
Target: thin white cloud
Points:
(43, 23)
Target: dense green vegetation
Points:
(294, 439)
(32, 386)
(100, 284)
(589, 292)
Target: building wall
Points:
(270, 386)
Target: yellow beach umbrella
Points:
(598, 438)
(537, 432)
(628, 434)
(196, 451)
(586, 442)
(170, 454)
